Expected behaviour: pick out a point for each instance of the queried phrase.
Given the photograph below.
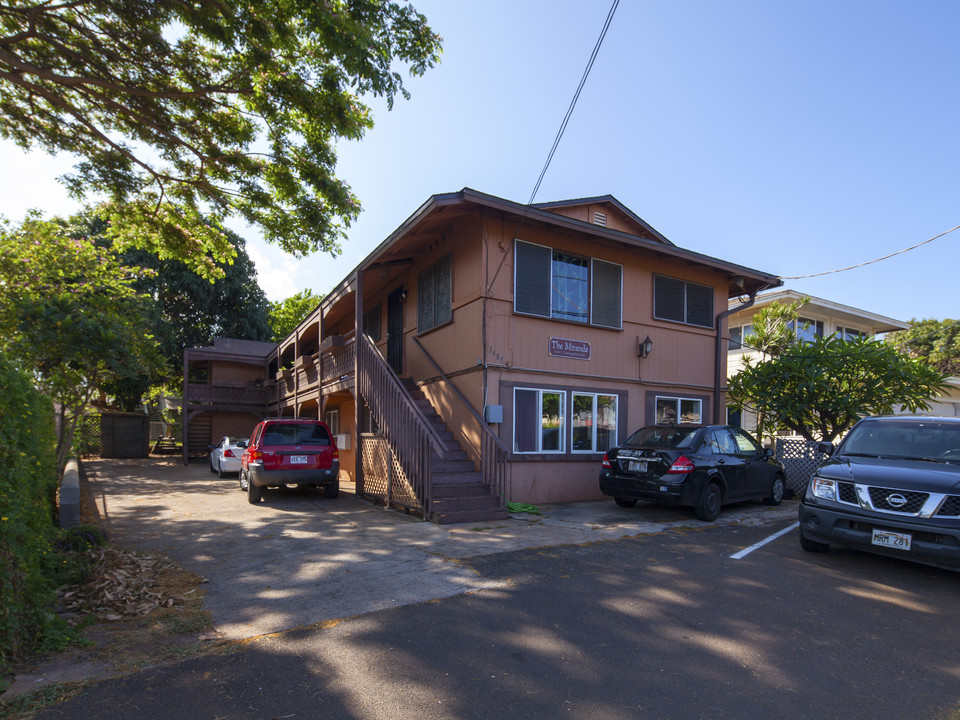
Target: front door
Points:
(395, 331)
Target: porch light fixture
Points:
(403, 296)
(645, 347)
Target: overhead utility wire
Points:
(563, 127)
(870, 262)
(576, 96)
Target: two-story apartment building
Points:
(489, 351)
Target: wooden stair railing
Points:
(412, 438)
(493, 454)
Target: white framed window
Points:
(848, 333)
(555, 284)
(593, 422)
(807, 330)
(679, 410)
(538, 420)
(740, 337)
(332, 418)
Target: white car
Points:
(225, 456)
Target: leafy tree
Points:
(773, 327)
(181, 112)
(821, 388)
(936, 342)
(70, 317)
(285, 315)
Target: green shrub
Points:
(28, 484)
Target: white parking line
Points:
(746, 551)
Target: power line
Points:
(870, 262)
(576, 96)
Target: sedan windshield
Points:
(910, 439)
(660, 437)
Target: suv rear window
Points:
(296, 434)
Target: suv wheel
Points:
(254, 492)
(243, 480)
(812, 545)
(332, 490)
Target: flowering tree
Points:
(69, 317)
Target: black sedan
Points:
(703, 467)
(892, 487)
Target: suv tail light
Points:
(256, 454)
(606, 461)
(681, 465)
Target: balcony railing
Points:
(233, 395)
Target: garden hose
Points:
(523, 508)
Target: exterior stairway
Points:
(459, 495)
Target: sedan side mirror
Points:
(825, 447)
(242, 443)
(768, 453)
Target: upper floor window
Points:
(434, 293)
(740, 337)
(555, 284)
(807, 330)
(682, 301)
(846, 333)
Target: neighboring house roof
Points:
(231, 348)
(842, 314)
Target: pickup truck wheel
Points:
(625, 502)
(708, 508)
(332, 490)
(254, 492)
(812, 545)
(776, 492)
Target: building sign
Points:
(578, 349)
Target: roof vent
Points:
(600, 218)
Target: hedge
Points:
(28, 484)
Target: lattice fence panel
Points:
(800, 458)
(383, 478)
(124, 435)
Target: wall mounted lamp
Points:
(645, 347)
(403, 296)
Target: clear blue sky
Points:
(794, 138)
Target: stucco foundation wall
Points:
(561, 481)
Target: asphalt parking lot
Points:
(344, 610)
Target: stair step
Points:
(460, 504)
(467, 516)
(459, 490)
(456, 478)
(452, 466)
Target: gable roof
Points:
(834, 310)
(611, 204)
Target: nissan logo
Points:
(896, 500)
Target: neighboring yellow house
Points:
(818, 317)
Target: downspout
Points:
(721, 353)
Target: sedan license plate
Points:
(637, 466)
(298, 459)
(886, 538)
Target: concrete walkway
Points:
(300, 559)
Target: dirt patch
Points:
(133, 610)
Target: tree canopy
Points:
(937, 342)
(70, 317)
(819, 389)
(183, 112)
(286, 314)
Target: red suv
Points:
(290, 451)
